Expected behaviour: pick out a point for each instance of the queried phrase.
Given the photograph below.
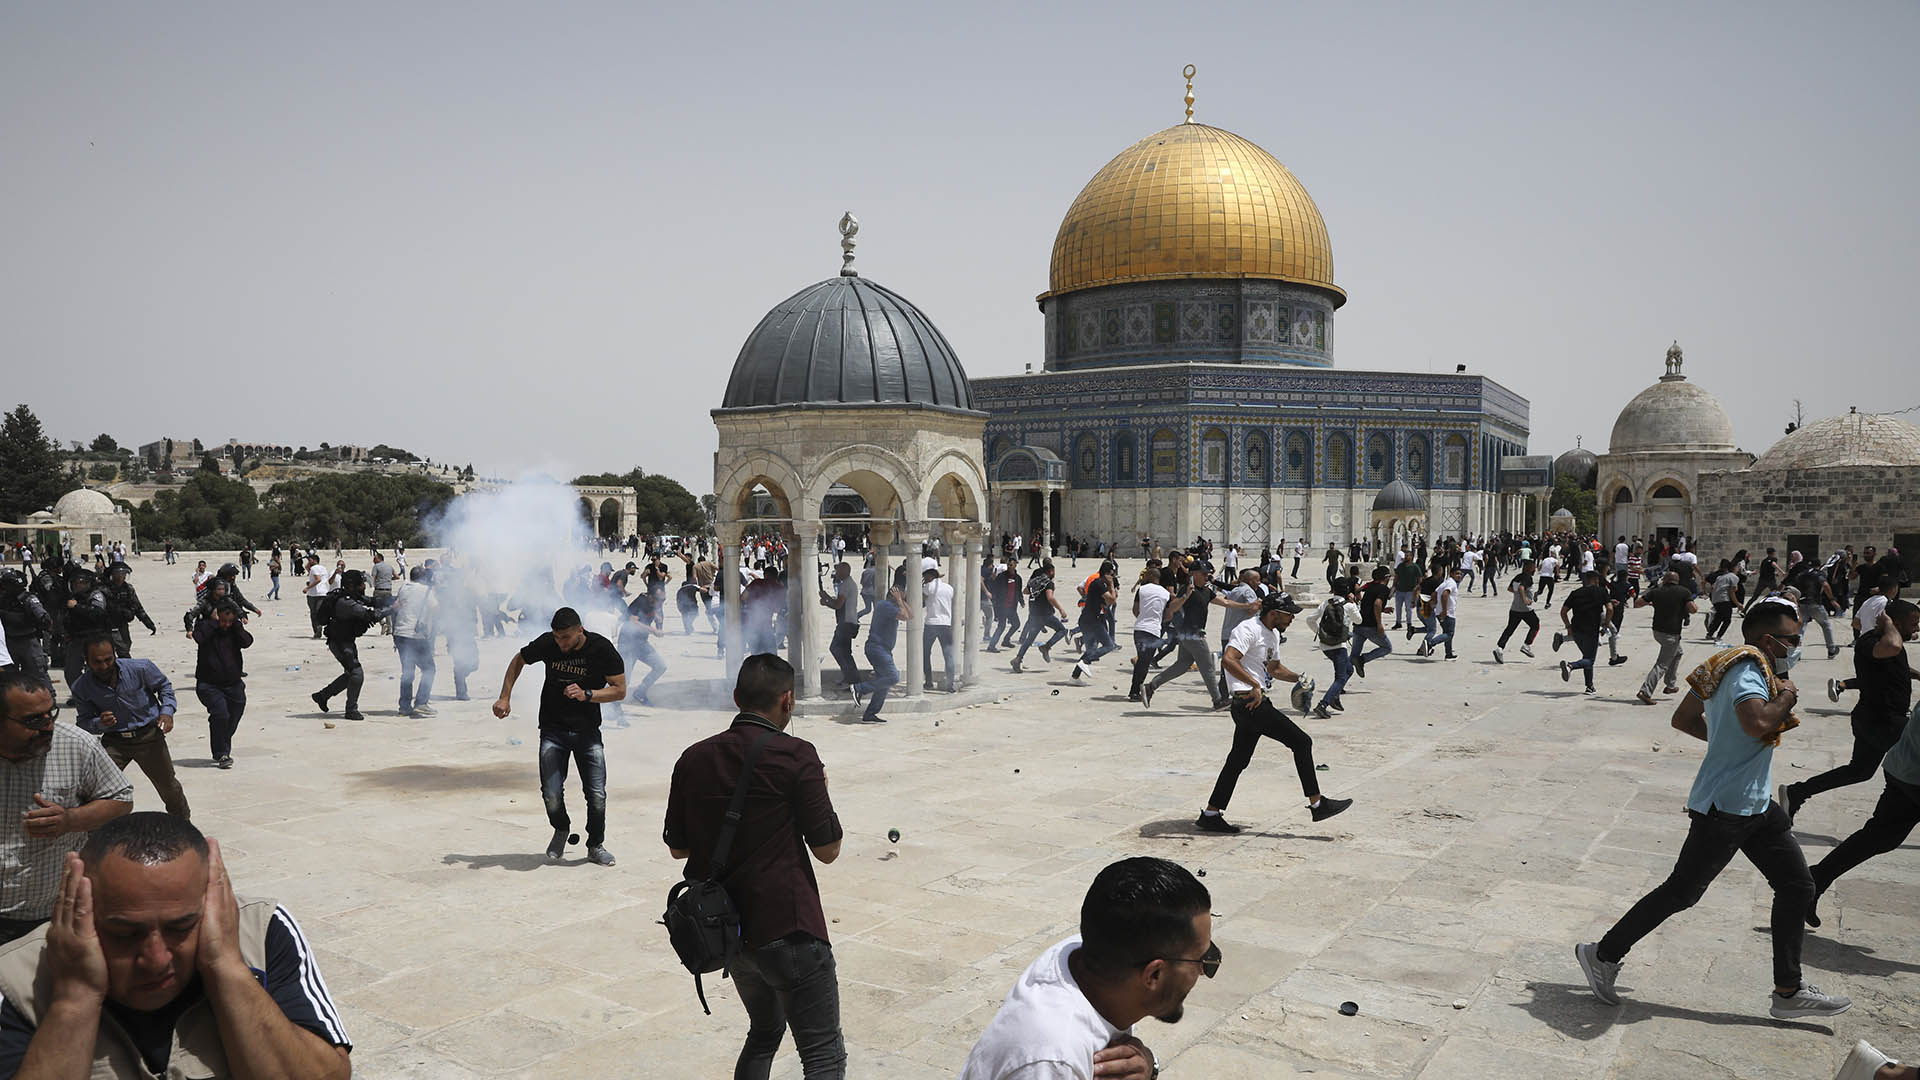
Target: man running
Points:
(1251, 667)
(1520, 611)
(1043, 612)
(1191, 637)
(1583, 614)
(1671, 602)
(584, 670)
(1332, 624)
(1373, 608)
(1883, 674)
(1739, 707)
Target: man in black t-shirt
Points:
(1883, 675)
(1583, 614)
(1186, 621)
(1671, 602)
(583, 670)
(636, 646)
(1373, 608)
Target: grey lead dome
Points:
(1398, 495)
(846, 341)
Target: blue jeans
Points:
(1403, 609)
(585, 750)
(416, 654)
(1342, 671)
(790, 983)
(1035, 624)
(1361, 635)
(274, 593)
(1095, 639)
(1444, 624)
(885, 674)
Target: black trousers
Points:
(1766, 839)
(352, 675)
(1514, 619)
(1872, 738)
(1721, 619)
(1249, 726)
(1894, 817)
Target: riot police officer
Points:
(123, 606)
(86, 616)
(230, 574)
(25, 622)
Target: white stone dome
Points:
(1672, 415)
(83, 503)
(1855, 438)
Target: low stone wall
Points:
(1842, 504)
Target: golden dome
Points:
(1192, 202)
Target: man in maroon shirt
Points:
(784, 972)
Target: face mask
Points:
(1785, 663)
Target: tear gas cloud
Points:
(515, 543)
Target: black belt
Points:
(130, 733)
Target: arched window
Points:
(1416, 473)
(1339, 460)
(1166, 456)
(1123, 457)
(1257, 458)
(1624, 495)
(1456, 459)
(998, 448)
(1668, 491)
(1379, 463)
(1213, 455)
(1298, 463)
(1086, 461)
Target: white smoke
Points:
(516, 544)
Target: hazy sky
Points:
(534, 236)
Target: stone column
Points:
(803, 633)
(880, 540)
(970, 641)
(729, 534)
(913, 671)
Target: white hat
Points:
(929, 564)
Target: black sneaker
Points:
(1359, 667)
(1146, 695)
(1616, 661)
(1327, 808)
(1216, 823)
(225, 761)
(354, 714)
(1016, 665)
(1559, 639)
(1813, 912)
(1045, 654)
(1566, 673)
(1792, 800)
(557, 847)
(1133, 697)
(1336, 706)
(319, 700)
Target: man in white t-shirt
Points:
(1446, 606)
(936, 597)
(1252, 663)
(1620, 553)
(1586, 559)
(1549, 573)
(1146, 939)
(1149, 610)
(1469, 559)
(319, 583)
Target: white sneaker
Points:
(1862, 1063)
(1833, 694)
(1526, 650)
(1499, 656)
(1807, 1001)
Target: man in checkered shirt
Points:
(56, 785)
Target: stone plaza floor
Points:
(1499, 818)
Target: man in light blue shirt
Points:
(129, 704)
(1731, 812)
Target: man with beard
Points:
(38, 757)
(129, 704)
(1145, 941)
(584, 671)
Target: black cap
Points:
(1279, 602)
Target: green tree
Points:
(103, 472)
(209, 464)
(31, 478)
(104, 444)
(353, 507)
(1569, 495)
(205, 513)
(666, 506)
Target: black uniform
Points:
(87, 616)
(349, 617)
(123, 607)
(24, 621)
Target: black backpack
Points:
(701, 920)
(1333, 622)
